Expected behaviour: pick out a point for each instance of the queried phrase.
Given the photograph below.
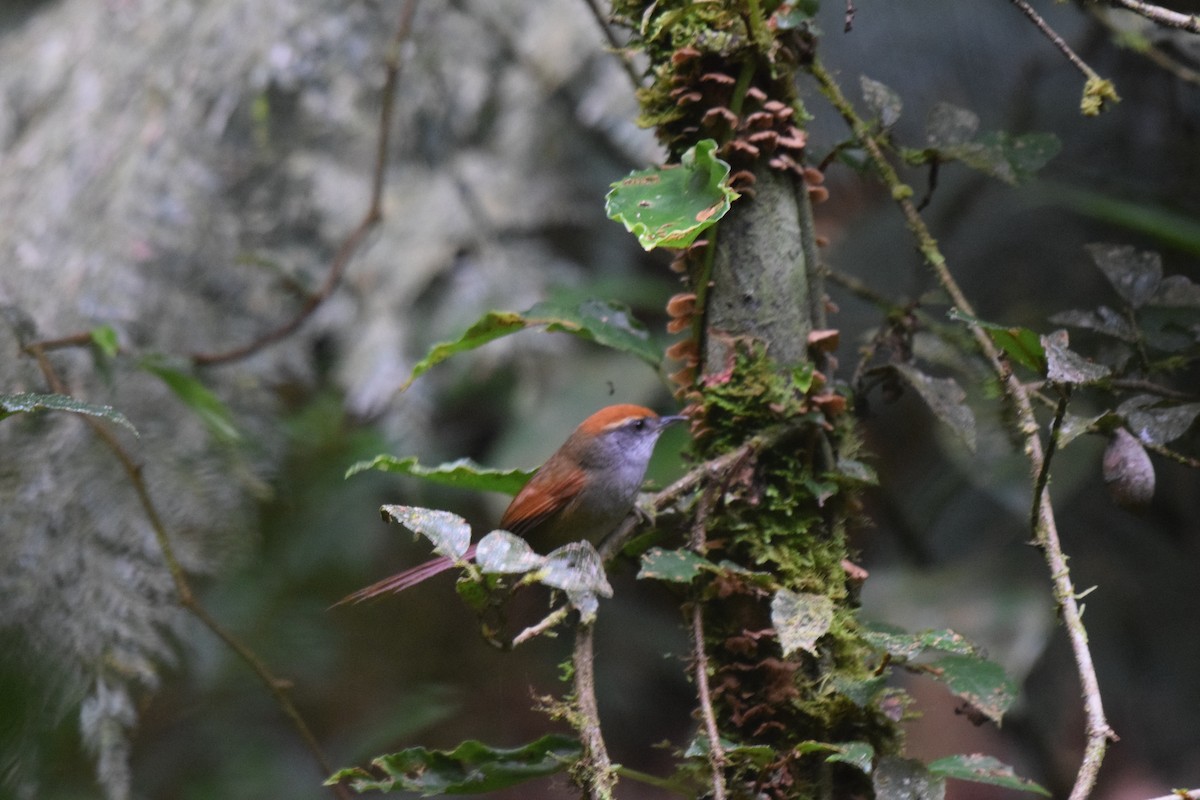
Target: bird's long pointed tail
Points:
(403, 580)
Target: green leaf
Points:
(983, 769)
(1064, 365)
(462, 474)
(577, 569)
(980, 682)
(1103, 320)
(196, 396)
(906, 646)
(800, 619)
(603, 322)
(1134, 275)
(25, 402)
(945, 399)
(856, 754)
(470, 768)
(670, 206)
(1020, 344)
(896, 778)
(449, 533)
(674, 566)
(1074, 426)
(1157, 424)
(105, 340)
(501, 552)
(951, 136)
(882, 100)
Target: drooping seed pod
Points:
(1128, 472)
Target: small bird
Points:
(583, 491)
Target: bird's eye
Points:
(640, 423)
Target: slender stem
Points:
(1045, 527)
(1057, 40)
(1043, 476)
(716, 754)
(596, 774)
(611, 38)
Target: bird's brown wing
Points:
(541, 501)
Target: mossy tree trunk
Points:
(726, 71)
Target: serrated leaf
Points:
(1020, 344)
(25, 402)
(945, 399)
(1154, 424)
(896, 778)
(906, 646)
(856, 472)
(1064, 365)
(882, 100)
(463, 473)
(501, 552)
(196, 396)
(1103, 320)
(951, 136)
(671, 206)
(980, 682)
(674, 566)
(577, 569)
(603, 322)
(1074, 426)
(800, 619)
(470, 768)
(856, 754)
(1177, 291)
(449, 533)
(948, 125)
(104, 337)
(1134, 275)
(983, 769)
(758, 754)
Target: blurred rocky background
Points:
(185, 173)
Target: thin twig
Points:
(1162, 16)
(187, 598)
(1096, 90)
(1055, 39)
(716, 753)
(374, 213)
(596, 770)
(1150, 387)
(1043, 476)
(621, 53)
(1045, 527)
(698, 542)
(551, 619)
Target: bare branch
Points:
(596, 774)
(1162, 16)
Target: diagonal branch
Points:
(372, 217)
(1162, 16)
(1045, 527)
